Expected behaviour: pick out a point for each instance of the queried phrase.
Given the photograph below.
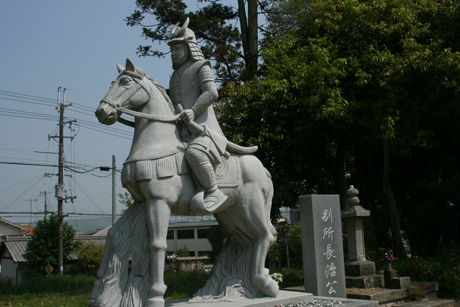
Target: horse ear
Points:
(129, 66)
(120, 68)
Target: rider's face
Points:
(178, 54)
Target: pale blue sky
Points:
(74, 44)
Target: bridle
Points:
(121, 101)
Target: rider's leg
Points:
(204, 173)
(158, 212)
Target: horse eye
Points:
(125, 80)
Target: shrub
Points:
(89, 258)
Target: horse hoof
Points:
(92, 303)
(271, 288)
(155, 302)
(266, 285)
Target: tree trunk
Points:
(339, 185)
(371, 182)
(394, 216)
(249, 36)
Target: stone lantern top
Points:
(353, 209)
(352, 194)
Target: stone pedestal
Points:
(360, 273)
(388, 275)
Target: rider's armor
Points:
(203, 151)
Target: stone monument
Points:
(359, 271)
(181, 163)
(321, 229)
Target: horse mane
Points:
(141, 74)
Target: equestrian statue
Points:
(181, 163)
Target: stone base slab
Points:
(359, 268)
(428, 303)
(284, 297)
(364, 282)
(382, 296)
(400, 283)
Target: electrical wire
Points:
(21, 183)
(84, 193)
(21, 195)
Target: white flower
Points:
(278, 277)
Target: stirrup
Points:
(202, 205)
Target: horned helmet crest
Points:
(182, 34)
(185, 35)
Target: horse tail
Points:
(237, 149)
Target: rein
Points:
(125, 99)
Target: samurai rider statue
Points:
(193, 91)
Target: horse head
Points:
(131, 90)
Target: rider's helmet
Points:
(187, 36)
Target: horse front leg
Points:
(158, 213)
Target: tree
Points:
(42, 249)
(125, 199)
(214, 24)
(89, 258)
(216, 238)
(356, 81)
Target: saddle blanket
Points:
(227, 171)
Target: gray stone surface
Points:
(388, 275)
(181, 163)
(353, 216)
(321, 228)
(284, 297)
(435, 302)
(400, 283)
(428, 286)
(365, 282)
(382, 296)
(359, 268)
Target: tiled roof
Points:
(16, 246)
(28, 231)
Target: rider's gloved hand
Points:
(187, 116)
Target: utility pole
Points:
(60, 186)
(31, 200)
(114, 189)
(45, 193)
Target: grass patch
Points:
(75, 291)
(184, 284)
(33, 291)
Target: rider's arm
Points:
(208, 93)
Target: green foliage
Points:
(416, 268)
(217, 239)
(125, 199)
(443, 268)
(89, 258)
(291, 277)
(449, 283)
(48, 284)
(295, 247)
(349, 75)
(43, 246)
(183, 284)
(182, 252)
(212, 24)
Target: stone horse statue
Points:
(155, 173)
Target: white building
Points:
(190, 233)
